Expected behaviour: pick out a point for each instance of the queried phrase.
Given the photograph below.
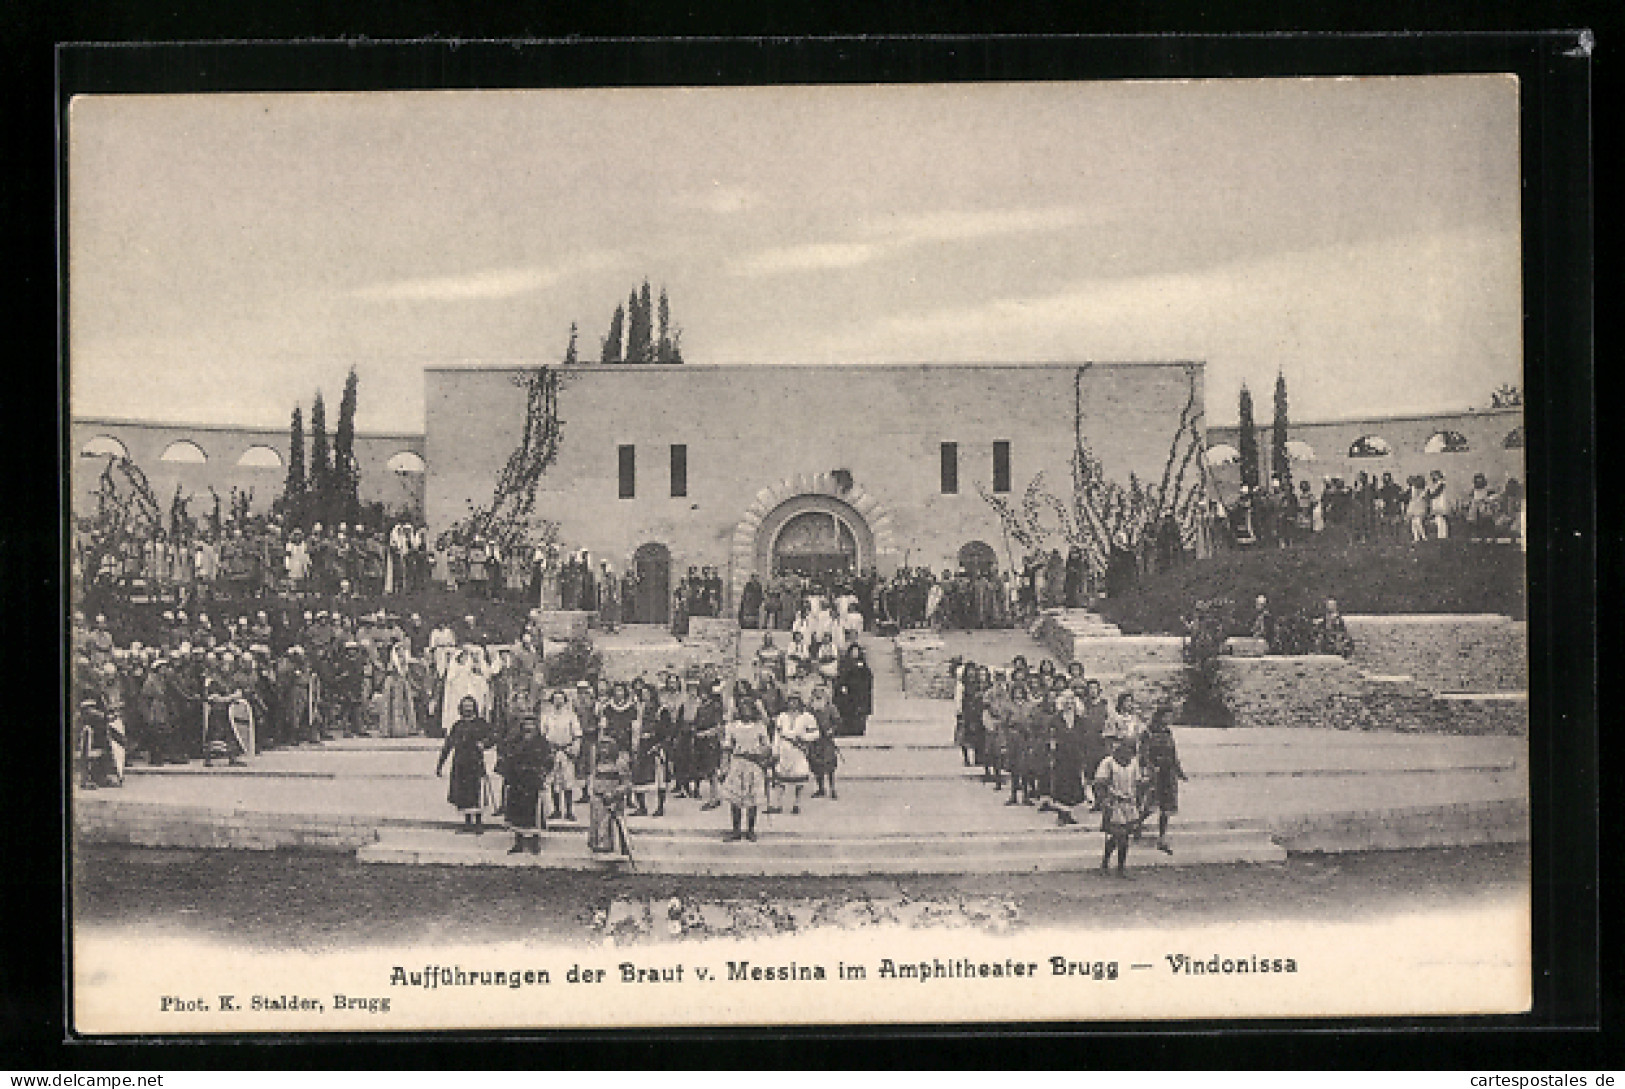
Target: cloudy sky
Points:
(231, 254)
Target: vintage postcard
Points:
(820, 554)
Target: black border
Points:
(1558, 339)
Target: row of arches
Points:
(1370, 446)
(187, 452)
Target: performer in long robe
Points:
(466, 676)
(1164, 771)
(400, 718)
(465, 745)
(854, 693)
(223, 733)
(650, 740)
(1069, 767)
(585, 706)
(524, 774)
(823, 755)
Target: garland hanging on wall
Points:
(507, 520)
(1104, 512)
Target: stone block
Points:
(1241, 646)
(1445, 653)
(1483, 713)
(563, 625)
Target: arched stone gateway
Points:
(813, 522)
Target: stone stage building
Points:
(200, 456)
(1489, 441)
(810, 468)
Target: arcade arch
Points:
(185, 452)
(1446, 442)
(260, 457)
(406, 462)
(104, 446)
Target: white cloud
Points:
(1419, 317)
(810, 257)
(892, 234)
(963, 225)
(497, 283)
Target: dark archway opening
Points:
(651, 597)
(817, 544)
(977, 558)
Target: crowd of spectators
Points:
(1420, 509)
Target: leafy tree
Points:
(612, 343)
(1248, 440)
(1507, 396)
(293, 488)
(345, 497)
(318, 487)
(1280, 463)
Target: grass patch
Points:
(1452, 576)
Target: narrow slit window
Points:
(1001, 466)
(679, 470)
(950, 468)
(628, 455)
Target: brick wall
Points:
(1445, 653)
(1278, 691)
(747, 428)
(1487, 713)
(137, 824)
(1318, 691)
(628, 662)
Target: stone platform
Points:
(907, 803)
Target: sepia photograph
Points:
(910, 553)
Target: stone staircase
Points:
(782, 854)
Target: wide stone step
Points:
(784, 855)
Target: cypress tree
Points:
(646, 342)
(637, 330)
(318, 489)
(293, 488)
(663, 344)
(570, 359)
(346, 478)
(1279, 462)
(612, 343)
(1248, 439)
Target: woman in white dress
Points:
(466, 676)
(797, 730)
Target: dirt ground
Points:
(305, 902)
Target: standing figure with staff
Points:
(608, 788)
